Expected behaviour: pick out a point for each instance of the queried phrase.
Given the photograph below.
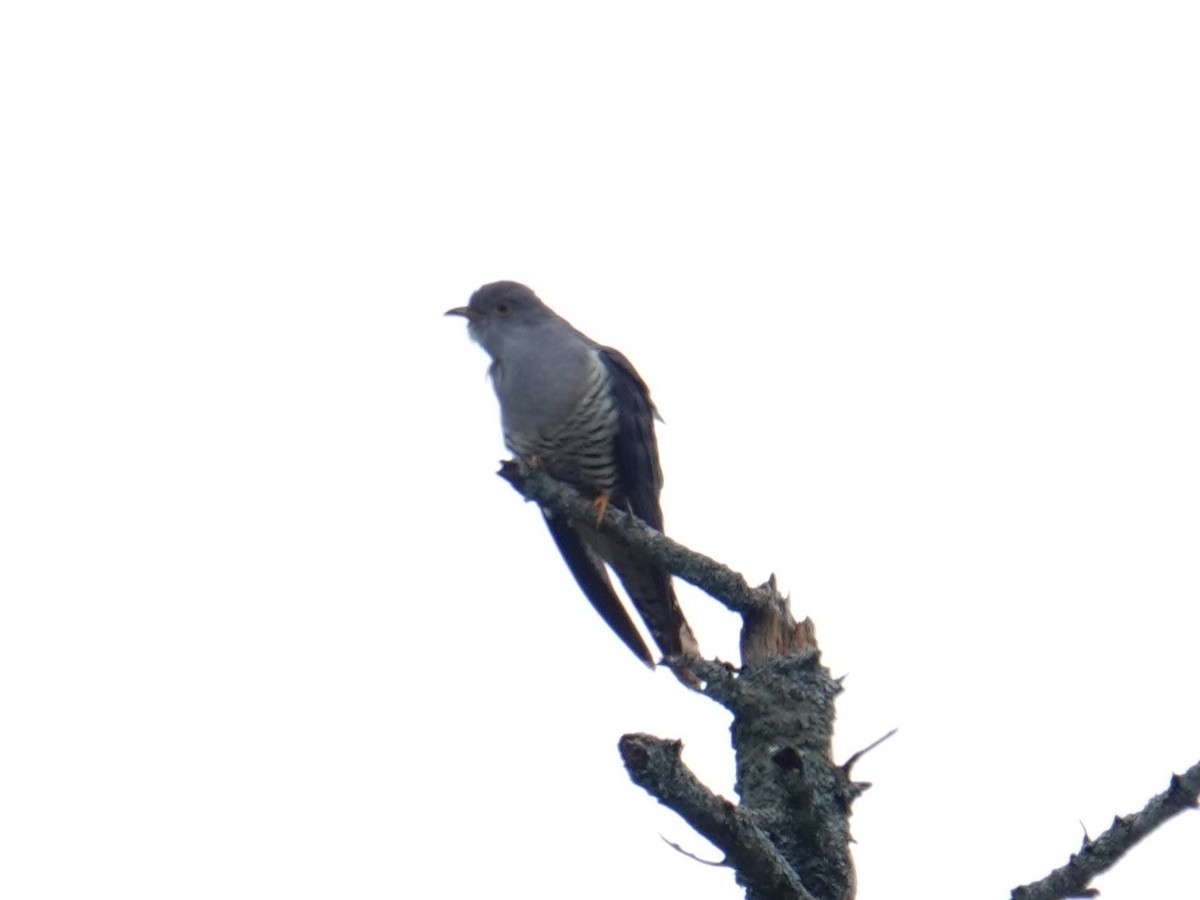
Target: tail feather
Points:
(593, 579)
(653, 597)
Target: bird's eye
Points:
(502, 308)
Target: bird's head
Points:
(499, 309)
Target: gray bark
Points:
(788, 837)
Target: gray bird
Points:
(581, 413)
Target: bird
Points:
(579, 411)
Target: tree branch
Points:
(715, 579)
(1101, 854)
(768, 627)
(656, 765)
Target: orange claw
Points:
(600, 504)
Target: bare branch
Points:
(768, 628)
(715, 579)
(656, 765)
(1099, 855)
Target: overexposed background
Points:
(916, 290)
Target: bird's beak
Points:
(465, 311)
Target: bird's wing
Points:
(589, 571)
(639, 483)
(639, 475)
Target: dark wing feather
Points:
(639, 475)
(593, 580)
(639, 483)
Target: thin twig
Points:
(855, 757)
(716, 864)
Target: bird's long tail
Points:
(593, 579)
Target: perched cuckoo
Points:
(580, 412)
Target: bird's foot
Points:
(600, 505)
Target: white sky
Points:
(915, 287)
